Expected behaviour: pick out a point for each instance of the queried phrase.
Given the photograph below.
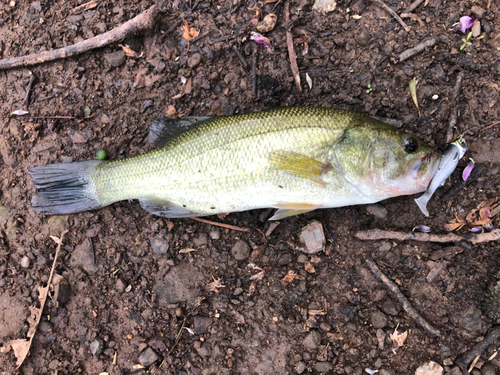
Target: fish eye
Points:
(410, 145)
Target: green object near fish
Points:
(292, 159)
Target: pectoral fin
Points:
(299, 165)
(291, 209)
(163, 208)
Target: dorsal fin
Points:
(164, 129)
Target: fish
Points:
(294, 159)
(449, 161)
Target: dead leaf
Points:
(170, 224)
(189, 33)
(455, 224)
(170, 111)
(309, 267)
(186, 250)
(398, 339)
(222, 215)
(214, 286)
(256, 252)
(317, 312)
(413, 92)
(292, 275)
(130, 52)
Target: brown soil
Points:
(127, 303)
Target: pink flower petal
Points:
(467, 171)
(466, 22)
(422, 228)
(261, 39)
(476, 229)
(19, 112)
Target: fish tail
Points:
(422, 204)
(64, 188)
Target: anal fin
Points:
(292, 209)
(300, 165)
(164, 208)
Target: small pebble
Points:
(148, 357)
(159, 245)
(379, 320)
(471, 320)
(429, 368)
(313, 237)
(201, 324)
(119, 285)
(25, 262)
(377, 210)
(214, 234)
(435, 97)
(476, 29)
(323, 366)
(115, 59)
(194, 60)
(477, 11)
(312, 340)
(96, 347)
(12, 3)
(240, 250)
(300, 367)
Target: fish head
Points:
(381, 161)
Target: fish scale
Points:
(294, 159)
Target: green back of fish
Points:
(226, 154)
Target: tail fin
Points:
(63, 188)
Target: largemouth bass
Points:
(293, 159)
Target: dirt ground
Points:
(133, 298)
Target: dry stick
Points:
(402, 299)
(254, 72)
(453, 117)
(413, 6)
(488, 127)
(28, 90)
(377, 234)
(418, 48)
(291, 51)
(479, 348)
(381, 4)
(241, 57)
(141, 22)
(220, 224)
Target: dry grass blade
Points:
(413, 92)
(221, 224)
(21, 347)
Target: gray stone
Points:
(312, 340)
(471, 320)
(323, 366)
(194, 60)
(25, 262)
(200, 240)
(115, 59)
(477, 11)
(159, 245)
(240, 250)
(488, 369)
(300, 367)
(379, 320)
(182, 283)
(201, 349)
(313, 237)
(83, 257)
(119, 286)
(385, 246)
(390, 308)
(201, 324)
(148, 357)
(377, 210)
(96, 347)
(214, 234)
(384, 371)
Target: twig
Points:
(241, 57)
(477, 172)
(488, 127)
(381, 4)
(141, 22)
(413, 6)
(62, 117)
(402, 299)
(453, 117)
(82, 8)
(414, 17)
(28, 90)
(254, 72)
(479, 348)
(418, 48)
(176, 339)
(291, 51)
(221, 224)
(377, 234)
